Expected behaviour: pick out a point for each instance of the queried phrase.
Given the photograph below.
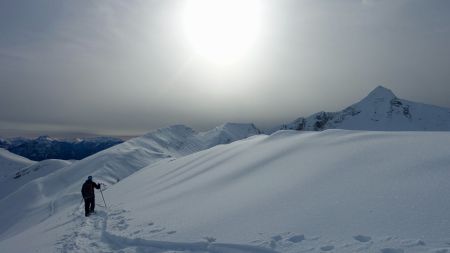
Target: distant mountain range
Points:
(44, 147)
(381, 110)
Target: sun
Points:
(222, 31)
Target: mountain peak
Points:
(381, 92)
(236, 126)
(173, 130)
(380, 110)
(44, 138)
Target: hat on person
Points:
(90, 178)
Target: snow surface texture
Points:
(330, 191)
(381, 110)
(12, 182)
(11, 163)
(61, 189)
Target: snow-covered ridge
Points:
(381, 110)
(180, 140)
(13, 181)
(331, 191)
(61, 188)
(227, 133)
(11, 163)
(280, 191)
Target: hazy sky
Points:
(127, 67)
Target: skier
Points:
(88, 195)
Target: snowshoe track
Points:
(98, 233)
(91, 235)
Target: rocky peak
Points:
(44, 138)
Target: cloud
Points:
(125, 65)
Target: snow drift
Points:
(337, 183)
(336, 190)
(13, 181)
(11, 163)
(39, 198)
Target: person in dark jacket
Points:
(89, 196)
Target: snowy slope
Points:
(13, 181)
(336, 190)
(61, 189)
(11, 163)
(228, 133)
(381, 110)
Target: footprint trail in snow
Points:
(98, 233)
(92, 235)
(111, 232)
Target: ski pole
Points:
(103, 197)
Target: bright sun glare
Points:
(222, 31)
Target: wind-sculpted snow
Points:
(381, 110)
(61, 189)
(330, 191)
(11, 163)
(347, 187)
(13, 181)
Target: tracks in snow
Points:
(96, 234)
(91, 235)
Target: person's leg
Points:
(86, 207)
(92, 205)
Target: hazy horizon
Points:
(115, 68)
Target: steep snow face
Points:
(62, 188)
(181, 140)
(227, 133)
(336, 190)
(381, 110)
(11, 163)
